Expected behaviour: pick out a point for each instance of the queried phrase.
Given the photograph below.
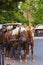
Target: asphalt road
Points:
(38, 54)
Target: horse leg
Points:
(32, 47)
(19, 51)
(14, 53)
(27, 52)
(7, 53)
(11, 52)
(5, 49)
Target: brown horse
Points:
(26, 40)
(11, 44)
(22, 38)
(30, 42)
(7, 45)
(15, 44)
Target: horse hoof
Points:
(33, 60)
(6, 58)
(20, 61)
(14, 61)
(25, 60)
(9, 58)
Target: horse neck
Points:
(30, 34)
(23, 34)
(27, 34)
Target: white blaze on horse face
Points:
(15, 31)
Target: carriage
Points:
(12, 41)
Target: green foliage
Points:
(9, 10)
(20, 18)
(35, 7)
(31, 5)
(38, 16)
(9, 4)
(6, 17)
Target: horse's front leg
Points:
(32, 47)
(14, 54)
(27, 52)
(11, 52)
(7, 54)
(19, 51)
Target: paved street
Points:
(38, 54)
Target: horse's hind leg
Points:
(27, 53)
(32, 47)
(19, 50)
(11, 52)
(14, 54)
(6, 53)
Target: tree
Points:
(20, 18)
(9, 5)
(7, 8)
(38, 16)
(35, 7)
